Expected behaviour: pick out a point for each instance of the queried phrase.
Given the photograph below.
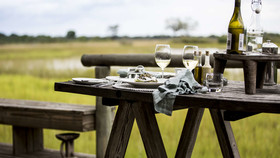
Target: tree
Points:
(114, 30)
(71, 34)
(176, 25)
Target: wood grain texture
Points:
(189, 133)
(250, 76)
(219, 65)
(148, 127)
(36, 114)
(121, 131)
(262, 57)
(232, 97)
(224, 134)
(6, 151)
(146, 60)
(104, 116)
(27, 140)
(261, 68)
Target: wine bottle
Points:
(206, 68)
(198, 69)
(235, 38)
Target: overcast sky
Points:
(134, 17)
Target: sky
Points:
(134, 17)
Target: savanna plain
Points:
(28, 71)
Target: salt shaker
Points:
(270, 48)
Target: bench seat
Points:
(28, 119)
(38, 114)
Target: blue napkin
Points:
(182, 83)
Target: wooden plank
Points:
(232, 98)
(237, 115)
(27, 140)
(189, 133)
(121, 131)
(141, 59)
(224, 134)
(104, 117)
(37, 114)
(148, 127)
(6, 152)
(262, 57)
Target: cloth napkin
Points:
(182, 83)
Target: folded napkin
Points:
(182, 83)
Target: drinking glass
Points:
(162, 56)
(214, 82)
(188, 57)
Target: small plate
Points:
(147, 84)
(89, 81)
(117, 78)
(131, 81)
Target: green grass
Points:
(257, 136)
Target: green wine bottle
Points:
(235, 38)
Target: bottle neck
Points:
(255, 25)
(199, 60)
(207, 61)
(237, 4)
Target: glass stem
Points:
(162, 73)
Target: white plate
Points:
(146, 84)
(117, 78)
(88, 81)
(137, 84)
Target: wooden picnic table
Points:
(231, 104)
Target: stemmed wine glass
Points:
(162, 56)
(188, 57)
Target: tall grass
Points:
(256, 136)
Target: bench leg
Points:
(27, 140)
(189, 133)
(224, 134)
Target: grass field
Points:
(24, 74)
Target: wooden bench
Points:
(28, 119)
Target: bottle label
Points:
(229, 39)
(241, 42)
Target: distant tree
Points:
(114, 31)
(176, 25)
(2, 35)
(71, 34)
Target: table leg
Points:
(219, 65)
(224, 134)
(148, 127)
(189, 133)
(121, 131)
(250, 75)
(261, 74)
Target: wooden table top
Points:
(232, 97)
(261, 57)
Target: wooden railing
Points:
(143, 59)
(146, 60)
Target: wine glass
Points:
(188, 57)
(162, 56)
